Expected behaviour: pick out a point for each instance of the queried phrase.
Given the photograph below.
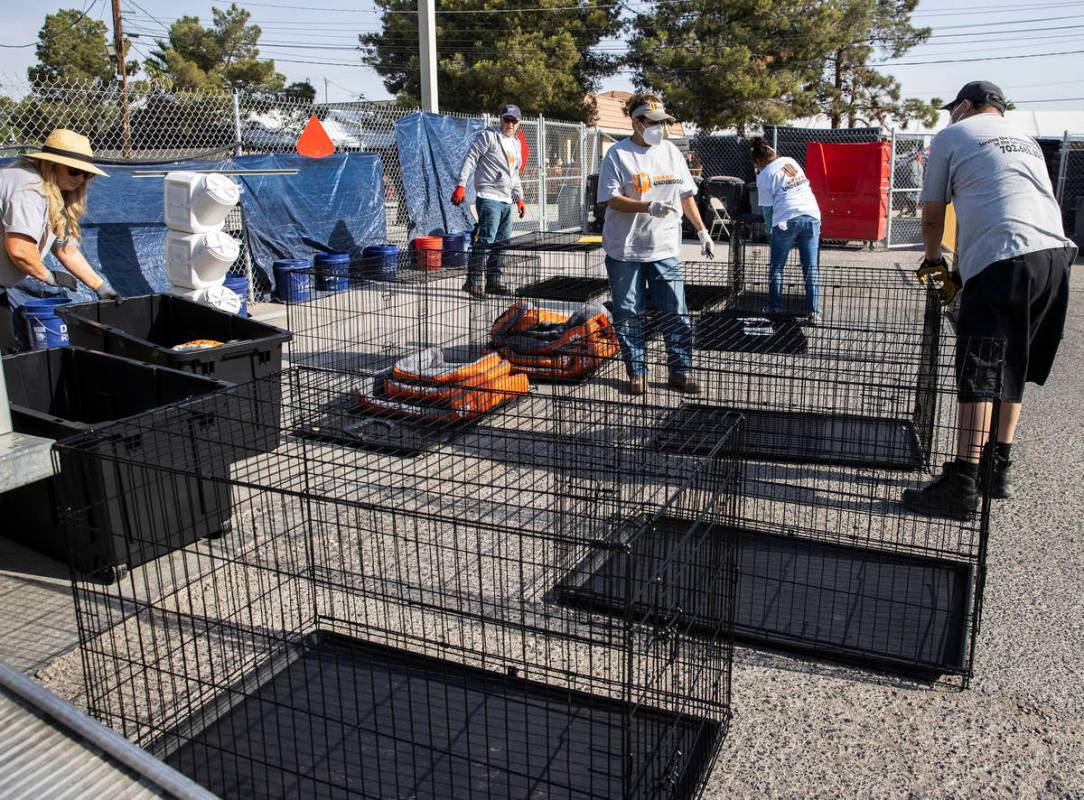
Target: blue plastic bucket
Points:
(238, 284)
(379, 261)
(44, 327)
(456, 246)
(332, 271)
(293, 280)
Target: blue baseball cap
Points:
(511, 111)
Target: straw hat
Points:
(69, 148)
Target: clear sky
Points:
(1007, 35)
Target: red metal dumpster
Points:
(850, 182)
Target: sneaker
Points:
(474, 290)
(684, 383)
(498, 289)
(814, 319)
(638, 384)
(953, 495)
(1001, 482)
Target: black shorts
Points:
(1022, 301)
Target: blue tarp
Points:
(431, 151)
(333, 204)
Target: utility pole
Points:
(427, 48)
(118, 43)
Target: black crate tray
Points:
(736, 332)
(566, 288)
(345, 423)
(381, 722)
(751, 303)
(893, 611)
(703, 296)
(846, 440)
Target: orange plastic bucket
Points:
(428, 249)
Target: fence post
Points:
(583, 177)
(775, 138)
(891, 188)
(238, 149)
(540, 159)
(1063, 162)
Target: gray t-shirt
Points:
(995, 177)
(22, 210)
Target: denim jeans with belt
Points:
(805, 232)
(631, 282)
(494, 227)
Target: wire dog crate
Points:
(380, 627)
(370, 322)
(571, 266)
(831, 563)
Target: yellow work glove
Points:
(946, 280)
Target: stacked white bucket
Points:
(198, 252)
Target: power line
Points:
(86, 10)
(972, 60)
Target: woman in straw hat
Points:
(42, 198)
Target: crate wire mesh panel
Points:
(831, 563)
(371, 322)
(377, 627)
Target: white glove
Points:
(660, 210)
(707, 246)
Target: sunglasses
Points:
(77, 173)
(509, 120)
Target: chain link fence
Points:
(1069, 185)
(147, 123)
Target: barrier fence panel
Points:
(1070, 185)
(908, 166)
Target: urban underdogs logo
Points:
(641, 181)
(1011, 144)
(793, 177)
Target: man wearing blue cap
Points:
(1013, 259)
(495, 158)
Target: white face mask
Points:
(653, 134)
(957, 113)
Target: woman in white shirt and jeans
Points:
(646, 186)
(794, 218)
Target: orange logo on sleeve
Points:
(641, 182)
(789, 171)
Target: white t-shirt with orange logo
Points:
(782, 184)
(643, 173)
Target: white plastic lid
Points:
(221, 189)
(223, 299)
(222, 246)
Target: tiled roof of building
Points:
(610, 115)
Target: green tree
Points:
(734, 63)
(542, 61)
(221, 57)
(301, 90)
(72, 49)
(851, 90)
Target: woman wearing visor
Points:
(645, 184)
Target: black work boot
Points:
(474, 289)
(498, 288)
(1001, 482)
(954, 494)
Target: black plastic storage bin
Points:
(65, 391)
(147, 328)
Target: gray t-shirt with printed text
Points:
(995, 177)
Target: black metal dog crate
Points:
(381, 627)
(370, 322)
(831, 563)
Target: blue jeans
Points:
(630, 284)
(806, 233)
(494, 227)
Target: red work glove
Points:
(522, 208)
(459, 195)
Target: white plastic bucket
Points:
(199, 260)
(198, 203)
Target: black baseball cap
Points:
(980, 93)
